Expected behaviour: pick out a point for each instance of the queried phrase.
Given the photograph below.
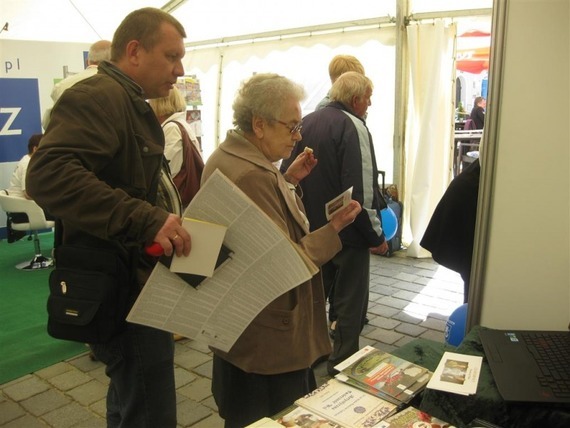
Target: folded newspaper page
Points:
(265, 264)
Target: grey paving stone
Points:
(92, 422)
(212, 421)
(412, 287)
(407, 318)
(190, 359)
(9, 411)
(88, 393)
(69, 380)
(210, 402)
(67, 416)
(85, 363)
(189, 412)
(385, 323)
(27, 388)
(383, 310)
(54, 370)
(409, 296)
(99, 408)
(198, 390)
(385, 336)
(45, 402)
(406, 277)
(26, 421)
(410, 329)
(434, 324)
(183, 377)
(393, 302)
(205, 369)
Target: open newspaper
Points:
(265, 264)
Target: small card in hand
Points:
(338, 203)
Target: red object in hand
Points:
(154, 249)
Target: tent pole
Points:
(401, 97)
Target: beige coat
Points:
(291, 332)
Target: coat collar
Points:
(133, 89)
(239, 146)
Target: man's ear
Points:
(258, 125)
(354, 101)
(132, 52)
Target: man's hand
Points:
(345, 216)
(173, 237)
(380, 249)
(301, 167)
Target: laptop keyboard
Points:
(552, 354)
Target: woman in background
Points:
(268, 367)
(181, 147)
(478, 112)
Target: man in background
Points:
(343, 146)
(338, 65)
(98, 52)
(18, 188)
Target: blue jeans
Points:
(140, 365)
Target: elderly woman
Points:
(268, 368)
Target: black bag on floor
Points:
(89, 294)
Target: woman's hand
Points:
(345, 216)
(300, 167)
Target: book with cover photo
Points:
(387, 373)
(405, 396)
(345, 405)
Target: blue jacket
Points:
(343, 146)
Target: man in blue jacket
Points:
(343, 146)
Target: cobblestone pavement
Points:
(409, 299)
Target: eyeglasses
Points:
(292, 129)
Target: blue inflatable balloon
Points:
(455, 326)
(389, 222)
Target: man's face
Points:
(159, 67)
(360, 104)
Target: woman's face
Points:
(278, 141)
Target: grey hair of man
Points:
(263, 95)
(142, 25)
(349, 85)
(99, 51)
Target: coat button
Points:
(145, 149)
(285, 321)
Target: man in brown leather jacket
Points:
(98, 170)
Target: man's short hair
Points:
(142, 25)
(99, 51)
(343, 63)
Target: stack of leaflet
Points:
(384, 375)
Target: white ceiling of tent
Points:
(88, 20)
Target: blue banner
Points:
(20, 116)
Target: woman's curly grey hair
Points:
(263, 95)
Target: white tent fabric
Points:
(428, 128)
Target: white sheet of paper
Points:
(338, 203)
(207, 239)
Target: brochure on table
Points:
(457, 373)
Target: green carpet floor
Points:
(25, 345)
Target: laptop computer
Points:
(529, 366)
